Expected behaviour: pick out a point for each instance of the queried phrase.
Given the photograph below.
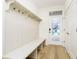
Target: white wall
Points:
(46, 20)
(19, 30)
(69, 26)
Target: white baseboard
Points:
(70, 54)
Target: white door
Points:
(55, 31)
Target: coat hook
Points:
(22, 12)
(68, 33)
(18, 10)
(14, 8)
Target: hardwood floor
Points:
(53, 52)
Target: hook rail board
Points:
(15, 6)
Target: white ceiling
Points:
(47, 3)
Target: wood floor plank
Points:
(62, 54)
(53, 52)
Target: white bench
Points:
(25, 51)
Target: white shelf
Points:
(23, 10)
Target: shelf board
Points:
(15, 6)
